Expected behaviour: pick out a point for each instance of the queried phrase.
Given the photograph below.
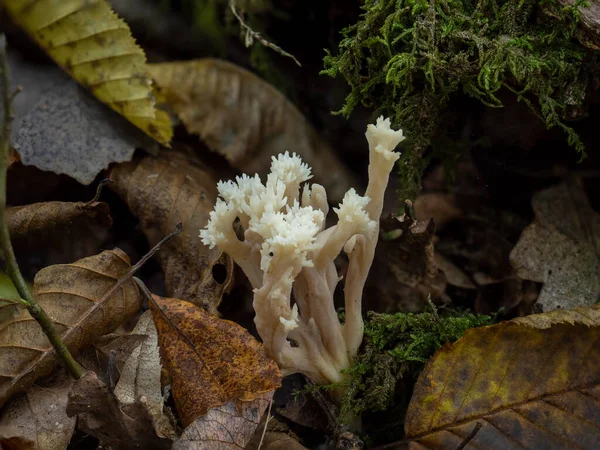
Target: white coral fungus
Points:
(288, 255)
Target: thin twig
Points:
(251, 35)
(12, 268)
(98, 192)
(262, 437)
(471, 435)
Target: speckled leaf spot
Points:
(210, 361)
(90, 42)
(533, 382)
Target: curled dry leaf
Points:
(246, 119)
(405, 272)
(38, 419)
(226, 427)
(100, 414)
(140, 377)
(163, 191)
(210, 361)
(85, 302)
(93, 45)
(561, 248)
(60, 127)
(533, 382)
(50, 233)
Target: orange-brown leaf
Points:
(211, 361)
(513, 385)
(75, 298)
(163, 191)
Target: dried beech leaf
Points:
(163, 191)
(62, 128)
(39, 417)
(405, 272)
(226, 427)
(561, 248)
(101, 415)
(210, 361)
(57, 232)
(73, 295)
(514, 385)
(91, 43)
(140, 377)
(246, 119)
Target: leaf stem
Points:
(6, 248)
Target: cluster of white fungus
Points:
(276, 233)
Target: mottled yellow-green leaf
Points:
(532, 382)
(89, 41)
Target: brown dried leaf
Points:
(246, 119)
(141, 376)
(210, 361)
(226, 427)
(38, 419)
(405, 272)
(57, 232)
(561, 248)
(280, 441)
(533, 382)
(80, 300)
(163, 191)
(119, 426)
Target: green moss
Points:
(408, 58)
(396, 347)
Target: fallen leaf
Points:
(93, 45)
(38, 418)
(210, 361)
(247, 120)
(119, 426)
(405, 273)
(561, 248)
(60, 127)
(81, 300)
(226, 427)
(141, 376)
(280, 441)
(163, 191)
(44, 234)
(532, 382)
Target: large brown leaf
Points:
(246, 119)
(163, 191)
(533, 382)
(75, 298)
(50, 233)
(211, 361)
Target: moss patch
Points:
(407, 58)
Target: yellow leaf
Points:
(89, 41)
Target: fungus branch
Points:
(288, 255)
